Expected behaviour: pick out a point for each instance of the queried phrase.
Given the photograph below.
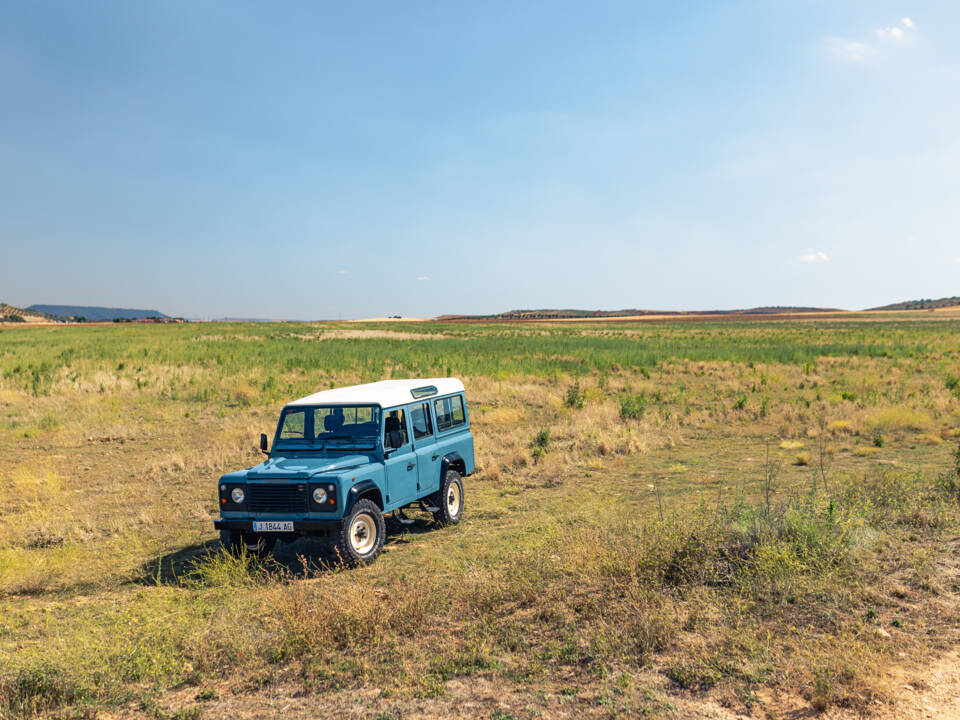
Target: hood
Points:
(297, 468)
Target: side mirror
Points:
(263, 444)
(395, 439)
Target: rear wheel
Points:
(450, 499)
(237, 542)
(361, 534)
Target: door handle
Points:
(434, 457)
(410, 466)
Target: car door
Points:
(425, 448)
(400, 467)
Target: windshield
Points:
(330, 426)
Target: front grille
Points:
(277, 498)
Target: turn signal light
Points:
(332, 501)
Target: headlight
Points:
(319, 496)
(237, 495)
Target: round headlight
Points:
(237, 495)
(319, 496)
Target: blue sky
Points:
(321, 160)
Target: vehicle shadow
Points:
(306, 557)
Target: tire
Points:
(361, 535)
(253, 544)
(449, 499)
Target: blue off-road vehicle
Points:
(342, 458)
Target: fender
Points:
(452, 460)
(359, 489)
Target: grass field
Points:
(665, 516)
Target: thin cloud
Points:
(422, 277)
(343, 272)
(896, 32)
(814, 256)
(850, 50)
(860, 51)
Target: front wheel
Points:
(361, 534)
(254, 544)
(449, 499)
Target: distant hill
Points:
(95, 313)
(11, 313)
(922, 304)
(551, 314)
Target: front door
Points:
(400, 468)
(425, 447)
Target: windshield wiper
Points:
(356, 439)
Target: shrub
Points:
(540, 444)
(575, 396)
(953, 385)
(632, 407)
(541, 439)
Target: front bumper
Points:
(300, 527)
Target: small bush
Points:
(632, 407)
(953, 385)
(575, 396)
(541, 439)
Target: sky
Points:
(314, 160)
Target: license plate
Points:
(273, 526)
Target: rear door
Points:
(400, 468)
(425, 448)
(452, 428)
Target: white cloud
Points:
(343, 272)
(814, 256)
(895, 32)
(859, 51)
(423, 277)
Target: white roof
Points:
(385, 393)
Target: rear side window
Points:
(395, 422)
(449, 412)
(420, 419)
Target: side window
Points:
(420, 419)
(394, 422)
(449, 412)
(458, 417)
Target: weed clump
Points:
(575, 396)
(540, 444)
(632, 407)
